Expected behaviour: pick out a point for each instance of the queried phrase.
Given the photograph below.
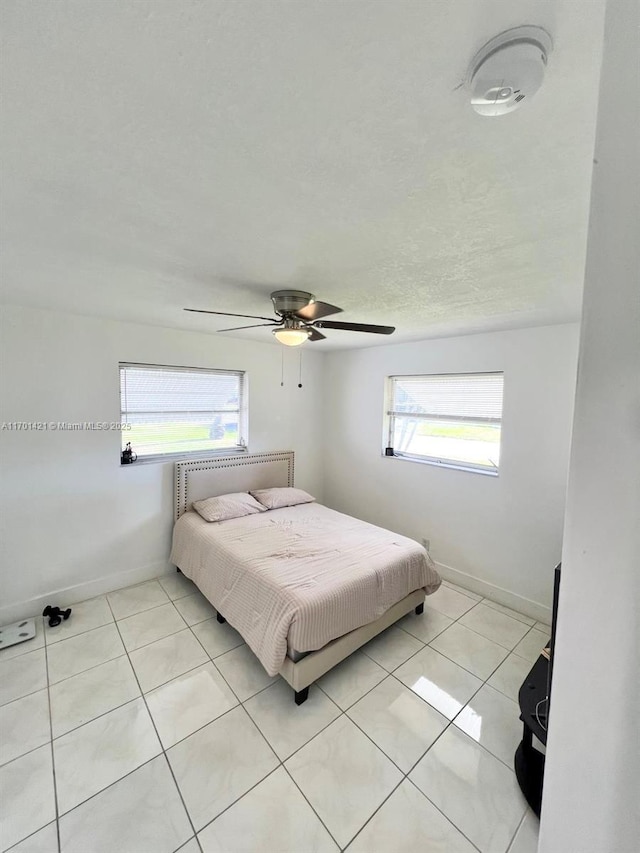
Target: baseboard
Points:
(534, 609)
(89, 589)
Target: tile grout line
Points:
(157, 687)
(144, 645)
(133, 615)
(188, 841)
(79, 634)
(500, 645)
(53, 757)
(387, 672)
(404, 775)
(392, 673)
(117, 708)
(422, 755)
(29, 751)
(446, 728)
(130, 772)
(345, 713)
(297, 749)
(31, 693)
(531, 663)
(437, 634)
(248, 791)
(135, 698)
(477, 743)
(469, 628)
(110, 785)
(219, 671)
(452, 721)
(97, 717)
(171, 601)
(135, 612)
(429, 646)
(241, 703)
(318, 733)
(524, 817)
(432, 744)
(153, 723)
(88, 669)
(389, 795)
(489, 601)
(281, 762)
(104, 595)
(304, 796)
(411, 782)
(475, 693)
(509, 651)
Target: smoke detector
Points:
(508, 70)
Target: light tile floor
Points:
(142, 725)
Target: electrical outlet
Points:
(426, 544)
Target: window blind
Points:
(447, 419)
(475, 397)
(181, 410)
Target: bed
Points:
(304, 585)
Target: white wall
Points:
(592, 779)
(73, 519)
(493, 534)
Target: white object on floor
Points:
(17, 632)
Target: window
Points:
(177, 410)
(451, 419)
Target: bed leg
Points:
(220, 618)
(420, 609)
(301, 696)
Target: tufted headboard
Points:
(221, 475)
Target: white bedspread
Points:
(302, 575)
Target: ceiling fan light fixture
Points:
(299, 318)
(291, 337)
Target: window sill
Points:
(185, 457)
(486, 472)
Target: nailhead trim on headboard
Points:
(183, 469)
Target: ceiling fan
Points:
(299, 318)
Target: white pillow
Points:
(277, 498)
(224, 507)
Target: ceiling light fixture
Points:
(291, 337)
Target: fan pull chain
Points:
(300, 371)
(282, 367)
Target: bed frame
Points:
(222, 475)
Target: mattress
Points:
(298, 577)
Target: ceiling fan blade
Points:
(316, 310)
(316, 335)
(356, 327)
(257, 326)
(227, 314)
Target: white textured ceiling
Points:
(167, 153)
